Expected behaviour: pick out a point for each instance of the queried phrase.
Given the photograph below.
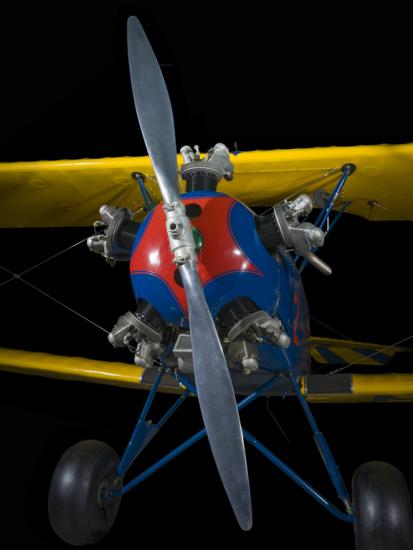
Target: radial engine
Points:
(241, 259)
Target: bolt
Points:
(175, 228)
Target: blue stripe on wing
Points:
(382, 358)
(330, 356)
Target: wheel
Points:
(382, 511)
(81, 507)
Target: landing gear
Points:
(85, 491)
(382, 511)
(82, 507)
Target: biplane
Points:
(220, 306)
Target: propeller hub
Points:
(180, 233)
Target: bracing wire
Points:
(18, 276)
(372, 354)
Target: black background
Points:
(263, 80)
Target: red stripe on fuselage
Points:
(220, 253)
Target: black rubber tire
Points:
(77, 512)
(382, 510)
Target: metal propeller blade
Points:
(214, 387)
(154, 110)
(217, 399)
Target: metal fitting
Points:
(114, 234)
(300, 207)
(261, 326)
(246, 353)
(144, 353)
(274, 327)
(132, 332)
(179, 229)
(205, 173)
(297, 235)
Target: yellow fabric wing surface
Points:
(76, 368)
(361, 388)
(69, 192)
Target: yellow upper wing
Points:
(69, 192)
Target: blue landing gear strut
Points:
(145, 431)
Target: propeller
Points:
(214, 387)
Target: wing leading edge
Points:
(80, 369)
(320, 388)
(68, 193)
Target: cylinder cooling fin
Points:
(235, 311)
(243, 327)
(204, 174)
(149, 315)
(142, 332)
(114, 234)
(268, 232)
(286, 226)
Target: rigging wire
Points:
(371, 355)
(325, 325)
(325, 175)
(18, 276)
(15, 276)
(269, 411)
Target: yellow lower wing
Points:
(341, 388)
(69, 192)
(78, 368)
(357, 388)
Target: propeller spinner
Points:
(213, 382)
